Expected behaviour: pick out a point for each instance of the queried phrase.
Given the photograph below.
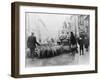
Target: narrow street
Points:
(63, 59)
(52, 32)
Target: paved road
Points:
(63, 59)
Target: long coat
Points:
(73, 43)
(31, 43)
(81, 41)
(73, 40)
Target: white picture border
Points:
(68, 68)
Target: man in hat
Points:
(31, 43)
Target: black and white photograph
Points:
(56, 39)
(52, 39)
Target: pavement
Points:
(63, 59)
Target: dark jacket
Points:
(73, 43)
(81, 41)
(31, 43)
(86, 42)
(73, 40)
